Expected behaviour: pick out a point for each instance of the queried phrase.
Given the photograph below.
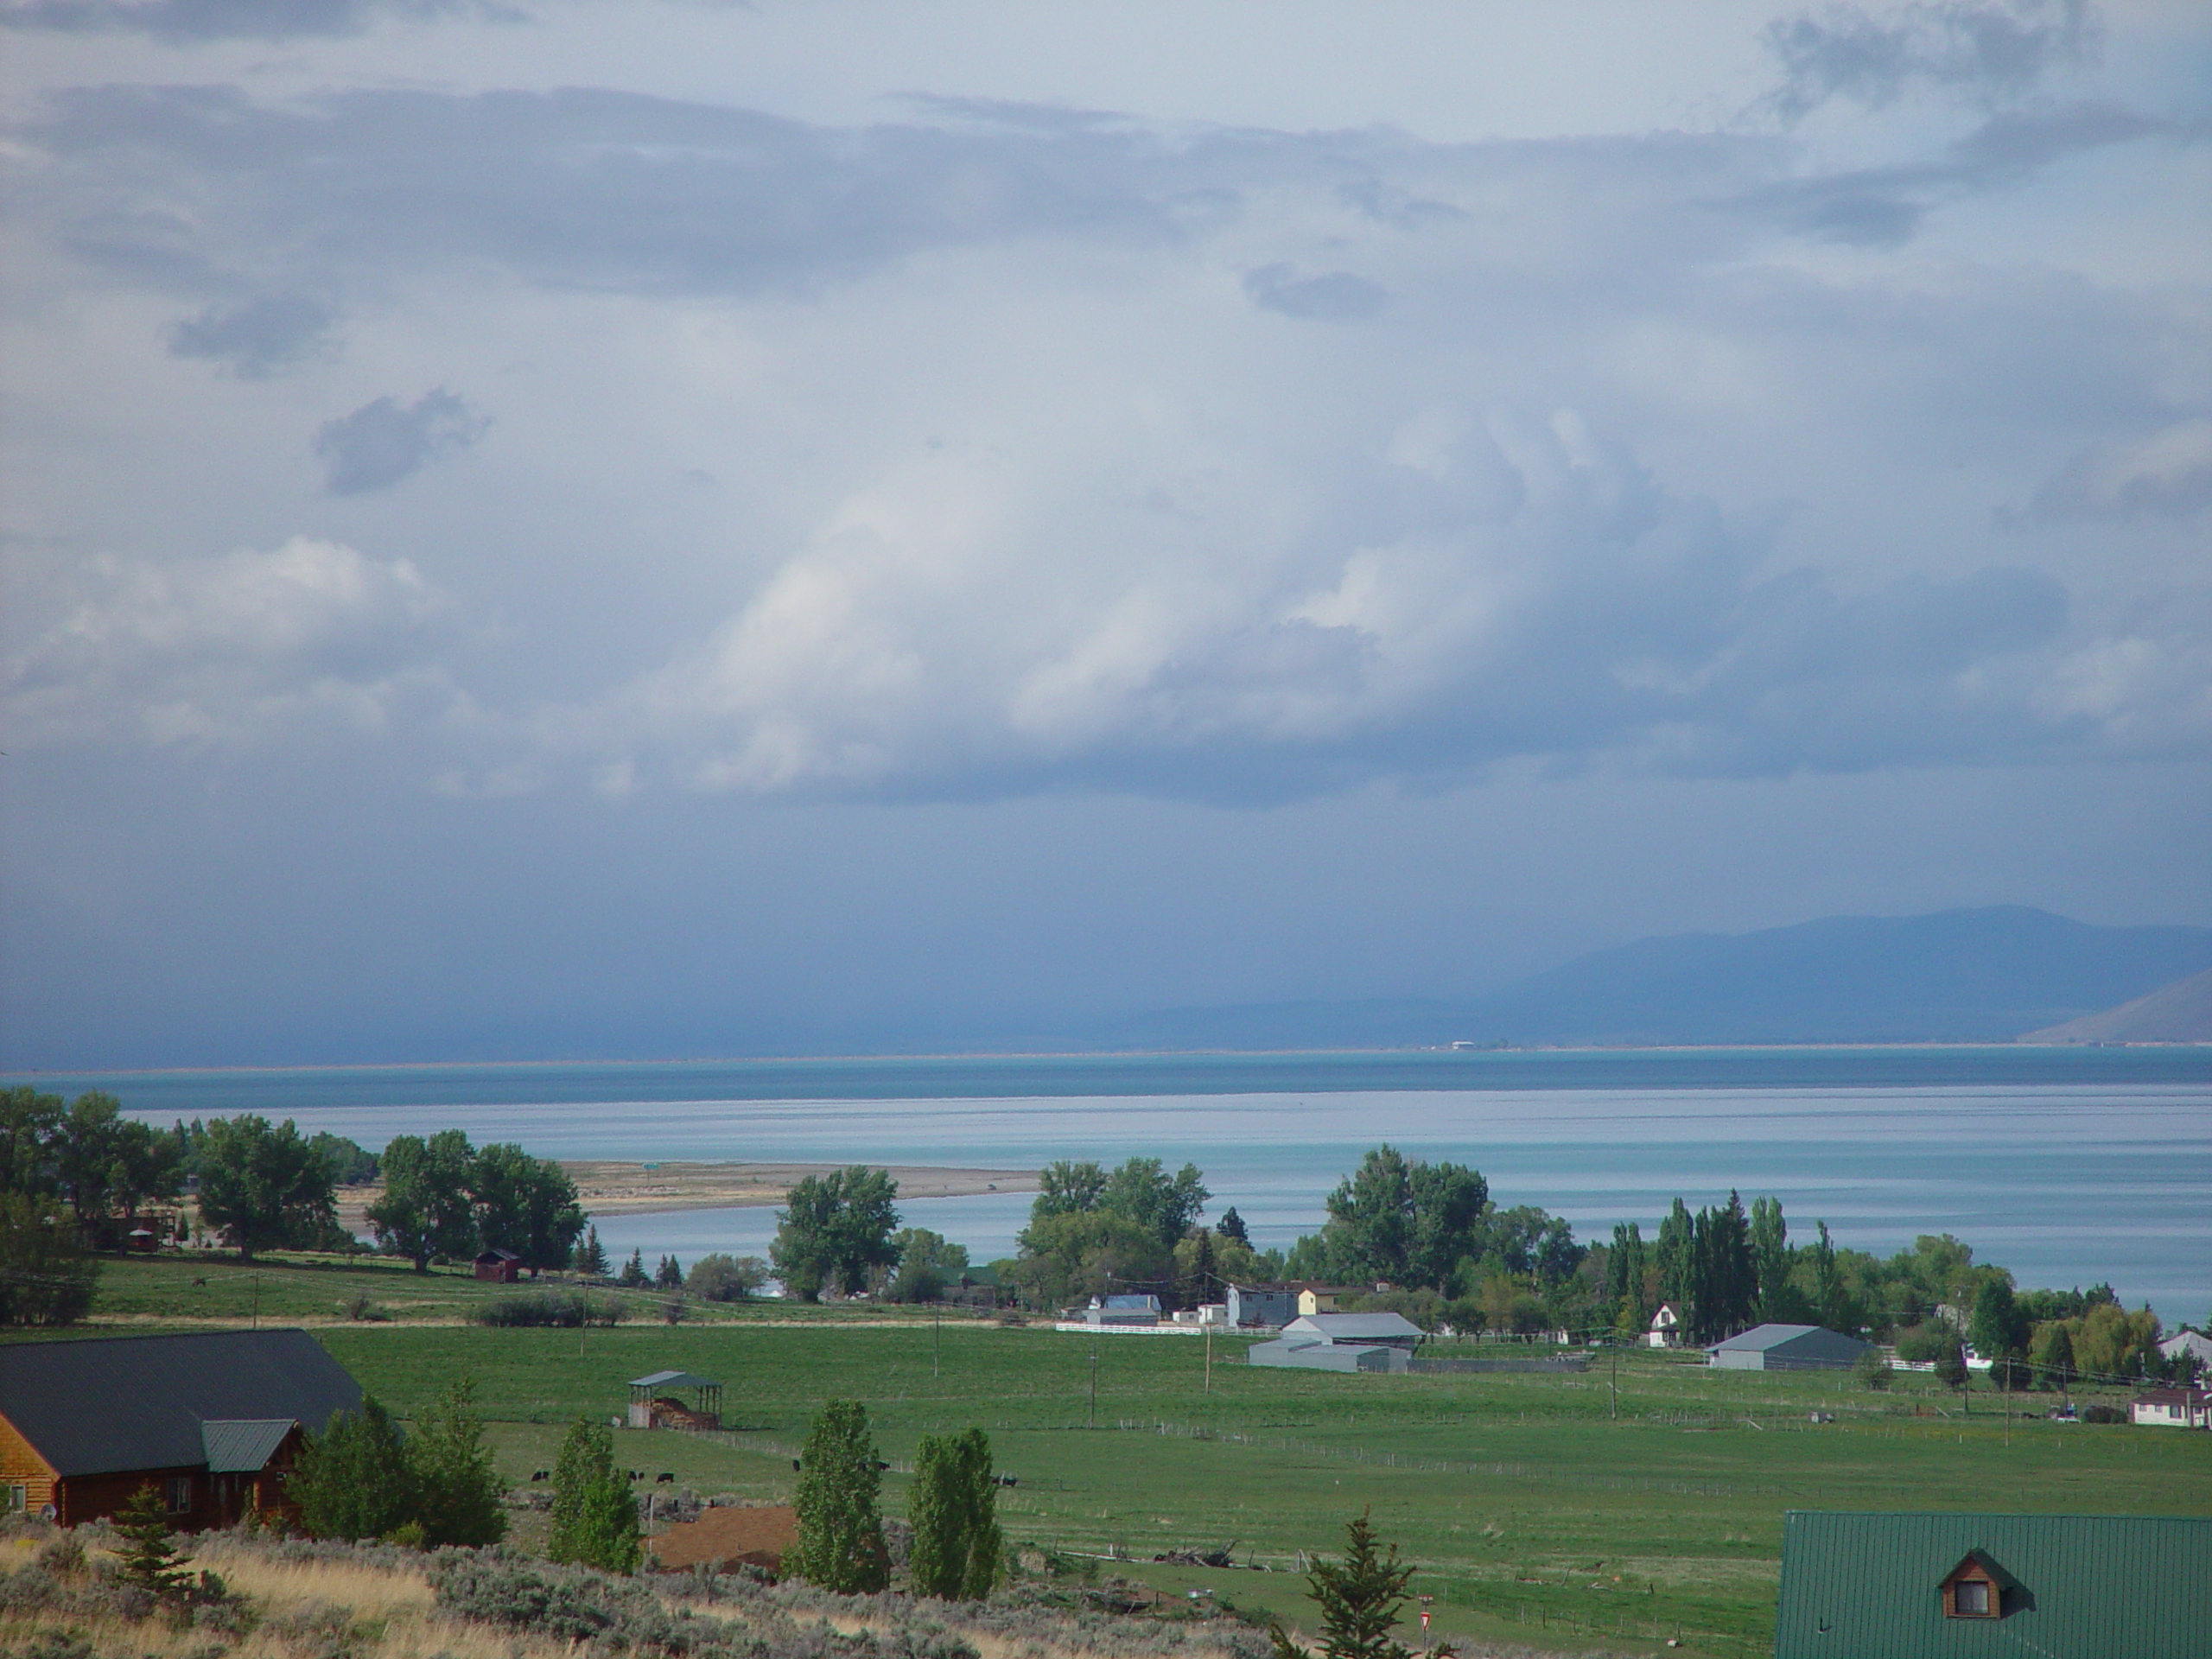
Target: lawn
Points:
(1534, 1512)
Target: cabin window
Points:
(19, 1497)
(179, 1494)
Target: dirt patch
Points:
(757, 1536)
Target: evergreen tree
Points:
(1830, 1304)
(151, 1559)
(633, 1271)
(1231, 1225)
(957, 1544)
(595, 1518)
(840, 1533)
(1359, 1599)
(2054, 1355)
(591, 1255)
(458, 1487)
(354, 1478)
(669, 1275)
(1997, 1328)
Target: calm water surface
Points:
(2070, 1166)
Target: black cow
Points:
(663, 1479)
(542, 1474)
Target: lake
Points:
(2069, 1166)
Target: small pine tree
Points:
(1231, 1225)
(354, 1479)
(1359, 1599)
(595, 1518)
(633, 1271)
(670, 1276)
(458, 1487)
(840, 1532)
(591, 1254)
(151, 1559)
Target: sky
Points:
(536, 529)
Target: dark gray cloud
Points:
(256, 340)
(1983, 52)
(380, 443)
(1335, 296)
(189, 21)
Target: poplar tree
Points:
(595, 1518)
(957, 1544)
(840, 1531)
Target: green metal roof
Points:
(243, 1445)
(2089, 1586)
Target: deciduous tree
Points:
(429, 1207)
(840, 1531)
(834, 1230)
(954, 1509)
(47, 1275)
(262, 1187)
(594, 1518)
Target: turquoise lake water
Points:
(2069, 1166)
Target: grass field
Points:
(1535, 1514)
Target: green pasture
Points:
(1539, 1507)
(1529, 1504)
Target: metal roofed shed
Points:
(1391, 1330)
(653, 1403)
(1305, 1354)
(1788, 1348)
(2074, 1587)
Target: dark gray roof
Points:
(242, 1446)
(92, 1408)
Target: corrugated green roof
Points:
(243, 1446)
(2090, 1586)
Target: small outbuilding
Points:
(1788, 1348)
(1356, 1330)
(498, 1267)
(1929, 1586)
(1666, 1331)
(653, 1403)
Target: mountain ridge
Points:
(1987, 974)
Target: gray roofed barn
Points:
(1788, 1348)
(1390, 1330)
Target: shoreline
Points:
(610, 1186)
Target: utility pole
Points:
(257, 1299)
(1209, 1388)
(1094, 1382)
(1615, 1347)
(583, 1324)
(937, 1336)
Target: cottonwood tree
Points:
(840, 1544)
(526, 1205)
(957, 1545)
(427, 1209)
(1360, 1599)
(261, 1186)
(720, 1277)
(834, 1229)
(594, 1518)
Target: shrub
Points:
(359, 1307)
(567, 1310)
(1872, 1369)
(2103, 1414)
(720, 1278)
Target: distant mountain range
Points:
(1961, 976)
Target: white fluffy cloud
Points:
(223, 650)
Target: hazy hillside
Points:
(2179, 1012)
(1963, 974)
